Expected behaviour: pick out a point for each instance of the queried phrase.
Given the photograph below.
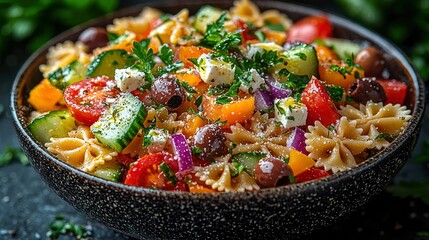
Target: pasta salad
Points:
(222, 101)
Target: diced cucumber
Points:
(55, 124)
(107, 62)
(119, 124)
(249, 160)
(344, 48)
(205, 16)
(111, 171)
(301, 59)
(62, 77)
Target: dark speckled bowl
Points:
(284, 212)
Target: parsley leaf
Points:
(196, 150)
(217, 38)
(336, 92)
(167, 57)
(145, 57)
(231, 93)
(237, 169)
(62, 227)
(385, 136)
(296, 83)
(415, 189)
(10, 153)
(168, 173)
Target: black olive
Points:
(269, 171)
(166, 91)
(365, 89)
(210, 139)
(94, 37)
(371, 60)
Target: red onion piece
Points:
(182, 151)
(263, 100)
(296, 140)
(276, 89)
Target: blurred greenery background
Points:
(26, 25)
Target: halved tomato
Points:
(310, 28)
(89, 98)
(146, 172)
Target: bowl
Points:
(289, 211)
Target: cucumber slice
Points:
(301, 59)
(62, 77)
(107, 62)
(205, 16)
(111, 171)
(119, 124)
(249, 160)
(55, 124)
(344, 48)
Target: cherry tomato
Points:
(246, 32)
(395, 90)
(87, 99)
(146, 172)
(311, 174)
(310, 28)
(320, 106)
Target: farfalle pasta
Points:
(215, 101)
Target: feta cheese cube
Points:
(215, 71)
(290, 113)
(158, 139)
(255, 83)
(259, 47)
(128, 79)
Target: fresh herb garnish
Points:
(296, 83)
(301, 55)
(217, 38)
(275, 27)
(145, 57)
(10, 153)
(280, 109)
(385, 136)
(237, 169)
(63, 227)
(229, 95)
(193, 111)
(292, 179)
(414, 189)
(336, 92)
(168, 173)
(167, 57)
(196, 150)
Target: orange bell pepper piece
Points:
(183, 53)
(299, 162)
(44, 97)
(234, 112)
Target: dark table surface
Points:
(28, 205)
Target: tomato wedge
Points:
(89, 98)
(146, 172)
(395, 90)
(310, 28)
(311, 174)
(319, 104)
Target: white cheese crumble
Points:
(290, 113)
(215, 71)
(128, 79)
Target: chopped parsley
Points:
(217, 38)
(296, 83)
(385, 136)
(145, 57)
(280, 109)
(167, 57)
(60, 226)
(336, 92)
(168, 173)
(196, 150)
(275, 27)
(237, 169)
(229, 95)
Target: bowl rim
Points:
(288, 190)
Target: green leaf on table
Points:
(414, 189)
(9, 154)
(61, 226)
